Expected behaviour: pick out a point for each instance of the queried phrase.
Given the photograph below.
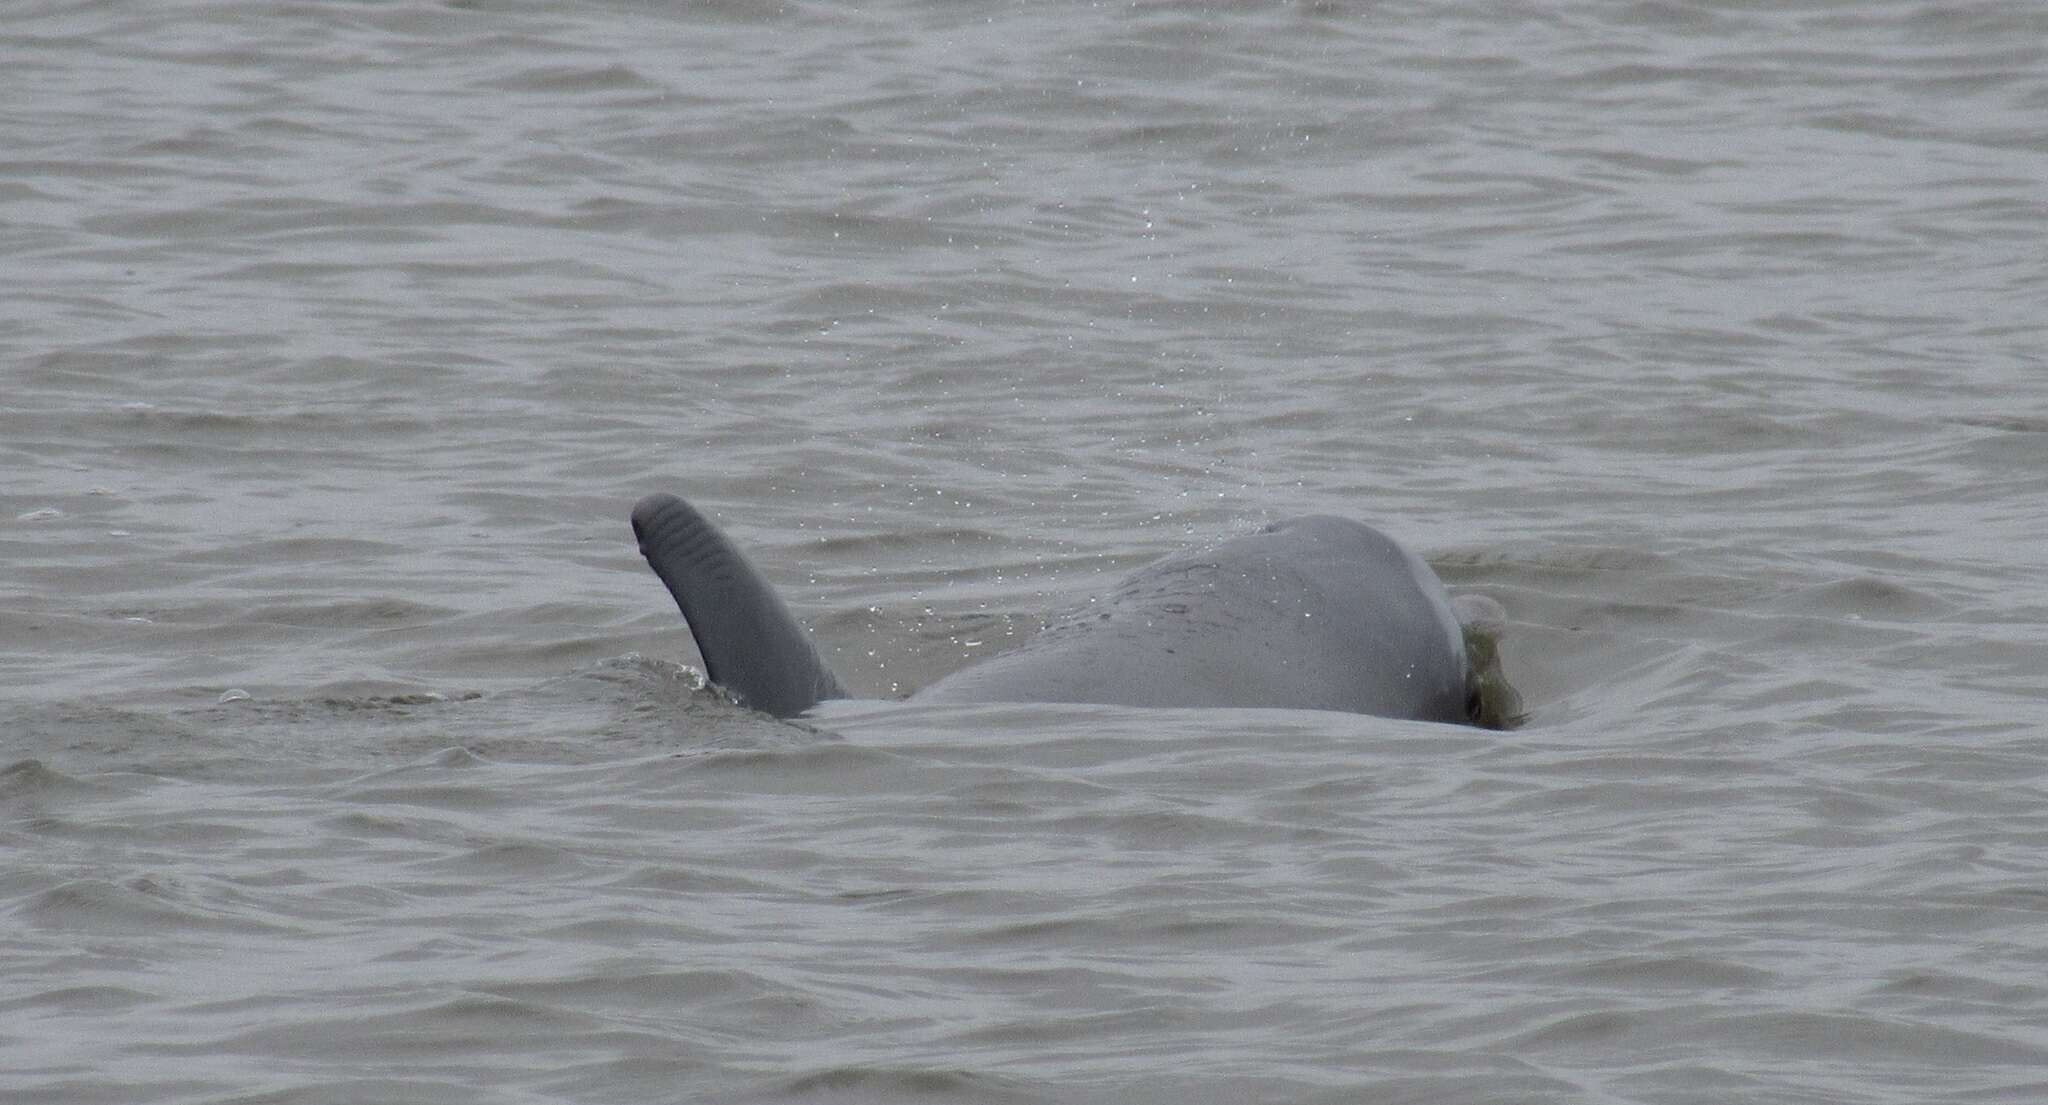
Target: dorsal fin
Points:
(751, 644)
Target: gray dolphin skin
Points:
(751, 644)
(1314, 613)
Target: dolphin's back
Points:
(751, 645)
(1313, 613)
(1309, 613)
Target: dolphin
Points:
(1315, 613)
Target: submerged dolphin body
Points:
(1314, 613)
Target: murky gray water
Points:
(348, 750)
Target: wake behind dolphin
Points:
(1313, 613)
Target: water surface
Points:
(349, 753)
